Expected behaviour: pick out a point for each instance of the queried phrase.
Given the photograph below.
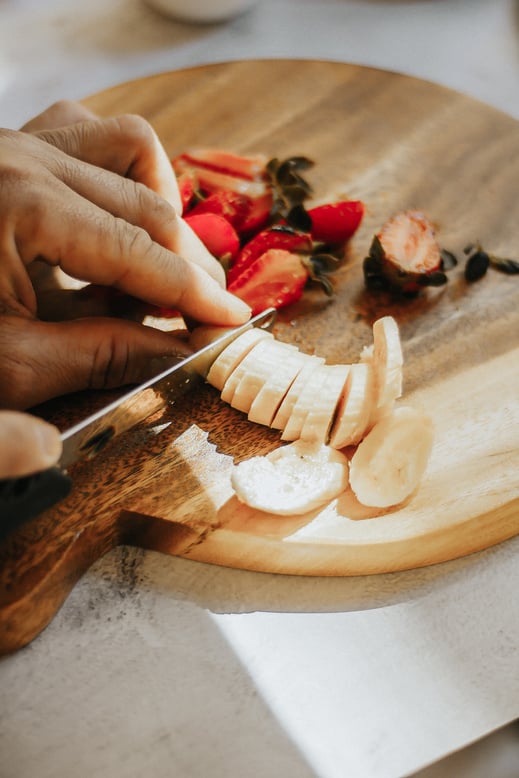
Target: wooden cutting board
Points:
(394, 142)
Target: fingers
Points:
(40, 360)
(89, 244)
(51, 219)
(126, 145)
(59, 115)
(27, 444)
(138, 205)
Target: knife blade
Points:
(24, 498)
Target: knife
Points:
(24, 498)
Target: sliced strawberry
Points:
(213, 181)
(217, 234)
(405, 255)
(187, 185)
(279, 237)
(258, 216)
(335, 223)
(221, 161)
(233, 206)
(276, 278)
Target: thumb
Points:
(41, 360)
(27, 444)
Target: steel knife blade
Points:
(26, 497)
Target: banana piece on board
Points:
(252, 374)
(292, 479)
(390, 461)
(355, 407)
(231, 356)
(319, 417)
(267, 401)
(387, 360)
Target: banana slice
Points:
(355, 405)
(319, 417)
(282, 416)
(253, 373)
(292, 479)
(391, 460)
(387, 360)
(266, 403)
(230, 357)
(311, 389)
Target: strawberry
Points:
(239, 165)
(277, 278)
(404, 256)
(187, 185)
(217, 234)
(230, 205)
(278, 237)
(334, 223)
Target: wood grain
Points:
(395, 142)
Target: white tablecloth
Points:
(162, 667)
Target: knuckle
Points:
(137, 128)
(110, 363)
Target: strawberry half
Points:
(232, 206)
(217, 234)
(278, 237)
(277, 278)
(187, 185)
(219, 160)
(405, 256)
(335, 223)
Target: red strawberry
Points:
(187, 186)
(232, 206)
(405, 255)
(249, 167)
(258, 216)
(335, 223)
(276, 278)
(274, 238)
(217, 234)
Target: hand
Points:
(98, 199)
(27, 444)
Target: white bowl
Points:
(201, 11)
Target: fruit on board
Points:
(332, 406)
(405, 255)
(264, 202)
(291, 480)
(390, 461)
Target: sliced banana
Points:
(266, 403)
(354, 409)
(319, 418)
(282, 416)
(387, 360)
(391, 460)
(252, 374)
(230, 357)
(311, 389)
(291, 480)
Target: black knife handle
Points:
(24, 498)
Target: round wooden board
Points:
(395, 142)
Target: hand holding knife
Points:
(24, 498)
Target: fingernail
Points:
(240, 308)
(49, 442)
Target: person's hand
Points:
(27, 444)
(98, 199)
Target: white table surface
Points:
(163, 667)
